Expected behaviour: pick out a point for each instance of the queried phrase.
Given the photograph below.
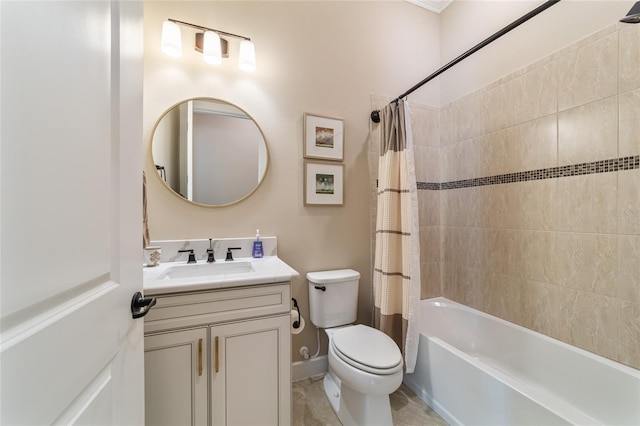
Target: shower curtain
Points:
(396, 275)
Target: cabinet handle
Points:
(199, 357)
(217, 366)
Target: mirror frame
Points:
(166, 185)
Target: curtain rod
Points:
(375, 115)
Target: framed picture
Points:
(323, 137)
(323, 184)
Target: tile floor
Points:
(311, 407)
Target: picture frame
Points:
(323, 184)
(323, 137)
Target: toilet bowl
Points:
(365, 365)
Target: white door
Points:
(71, 203)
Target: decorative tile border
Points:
(602, 166)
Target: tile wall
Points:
(530, 196)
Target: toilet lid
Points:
(328, 277)
(368, 347)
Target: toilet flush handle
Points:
(321, 287)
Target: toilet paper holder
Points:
(296, 323)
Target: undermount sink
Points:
(205, 270)
(172, 277)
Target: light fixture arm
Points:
(199, 27)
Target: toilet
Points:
(365, 365)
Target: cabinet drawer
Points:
(216, 306)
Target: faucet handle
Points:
(229, 254)
(210, 257)
(192, 256)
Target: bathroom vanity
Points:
(218, 346)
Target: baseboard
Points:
(301, 370)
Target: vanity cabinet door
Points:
(175, 375)
(251, 372)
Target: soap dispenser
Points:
(257, 246)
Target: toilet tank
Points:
(337, 304)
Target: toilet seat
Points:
(367, 349)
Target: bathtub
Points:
(476, 369)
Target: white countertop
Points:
(269, 269)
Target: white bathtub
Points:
(476, 369)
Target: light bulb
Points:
(171, 39)
(247, 61)
(211, 52)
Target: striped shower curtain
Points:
(396, 276)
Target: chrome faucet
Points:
(192, 256)
(210, 257)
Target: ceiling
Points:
(436, 6)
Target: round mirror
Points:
(209, 152)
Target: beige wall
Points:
(319, 57)
(560, 256)
(467, 22)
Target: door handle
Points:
(141, 305)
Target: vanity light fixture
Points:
(171, 39)
(211, 49)
(247, 60)
(209, 42)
